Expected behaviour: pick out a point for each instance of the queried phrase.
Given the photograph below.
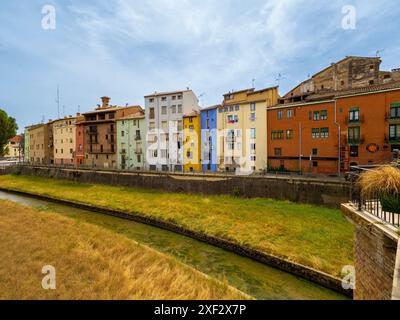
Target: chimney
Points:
(105, 102)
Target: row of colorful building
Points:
(347, 114)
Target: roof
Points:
(168, 93)
(133, 117)
(263, 90)
(331, 95)
(211, 107)
(16, 139)
(192, 114)
(239, 91)
(110, 109)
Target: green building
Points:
(131, 140)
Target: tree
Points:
(8, 129)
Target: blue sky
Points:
(126, 49)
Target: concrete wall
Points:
(375, 256)
(325, 193)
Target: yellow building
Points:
(191, 142)
(64, 135)
(242, 130)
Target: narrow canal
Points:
(251, 277)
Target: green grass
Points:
(314, 236)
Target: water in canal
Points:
(251, 277)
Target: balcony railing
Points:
(390, 117)
(356, 141)
(372, 204)
(360, 119)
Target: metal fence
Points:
(373, 204)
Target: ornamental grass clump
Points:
(383, 183)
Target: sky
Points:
(126, 49)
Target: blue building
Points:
(209, 134)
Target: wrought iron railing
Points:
(372, 204)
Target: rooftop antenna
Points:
(79, 109)
(43, 119)
(63, 109)
(253, 83)
(200, 98)
(58, 101)
(378, 52)
(278, 79)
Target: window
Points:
(325, 133)
(354, 135)
(395, 111)
(394, 132)
(164, 125)
(315, 164)
(278, 152)
(151, 100)
(164, 110)
(252, 146)
(289, 114)
(164, 99)
(252, 133)
(315, 133)
(179, 108)
(231, 108)
(277, 135)
(191, 128)
(122, 133)
(237, 108)
(354, 151)
(354, 115)
(289, 134)
(173, 109)
(173, 97)
(324, 115)
(180, 97)
(252, 116)
(252, 107)
(152, 115)
(315, 152)
(316, 116)
(280, 115)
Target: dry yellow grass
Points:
(385, 180)
(91, 263)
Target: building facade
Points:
(209, 138)
(41, 144)
(131, 139)
(15, 148)
(191, 142)
(164, 120)
(242, 130)
(346, 128)
(80, 140)
(64, 135)
(100, 133)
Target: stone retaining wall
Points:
(310, 191)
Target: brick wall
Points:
(375, 253)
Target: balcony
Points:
(100, 151)
(92, 141)
(90, 132)
(360, 119)
(138, 151)
(391, 118)
(138, 138)
(111, 131)
(356, 141)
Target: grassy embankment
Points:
(314, 236)
(90, 262)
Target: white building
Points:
(164, 120)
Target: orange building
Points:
(332, 131)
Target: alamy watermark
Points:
(349, 20)
(49, 19)
(49, 280)
(349, 278)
